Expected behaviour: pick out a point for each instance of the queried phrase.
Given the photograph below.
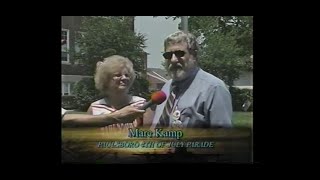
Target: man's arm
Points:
(218, 107)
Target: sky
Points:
(155, 30)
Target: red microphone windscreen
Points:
(158, 97)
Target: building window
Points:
(65, 47)
(67, 88)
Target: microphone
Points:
(156, 98)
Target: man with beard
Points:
(195, 98)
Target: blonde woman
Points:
(113, 78)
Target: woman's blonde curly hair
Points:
(105, 70)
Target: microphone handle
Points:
(146, 105)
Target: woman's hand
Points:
(128, 114)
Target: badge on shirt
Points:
(176, 119)
(176, 115)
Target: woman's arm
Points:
(89, 111)
(124, 115)
(87, 120)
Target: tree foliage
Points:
(226, 44)
(220, 57)
(103, 36)
(140, 87)
(85, 93)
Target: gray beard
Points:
(179, 74)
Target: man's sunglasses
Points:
(178, 54)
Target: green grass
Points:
(242, 119)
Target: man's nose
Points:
(174, 59)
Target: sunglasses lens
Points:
(167, 55)
(179, 53)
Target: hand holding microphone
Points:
(127, 114)
(130, 113)
(156, 98)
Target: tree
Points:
(103, 36)
(85, 93)
(226, 44)
(140, 87)
(220, 57)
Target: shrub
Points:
(85, 93)
(68, 102)
(240, 97)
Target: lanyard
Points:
(174, 120)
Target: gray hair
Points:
(181, 36)
(104, 71)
